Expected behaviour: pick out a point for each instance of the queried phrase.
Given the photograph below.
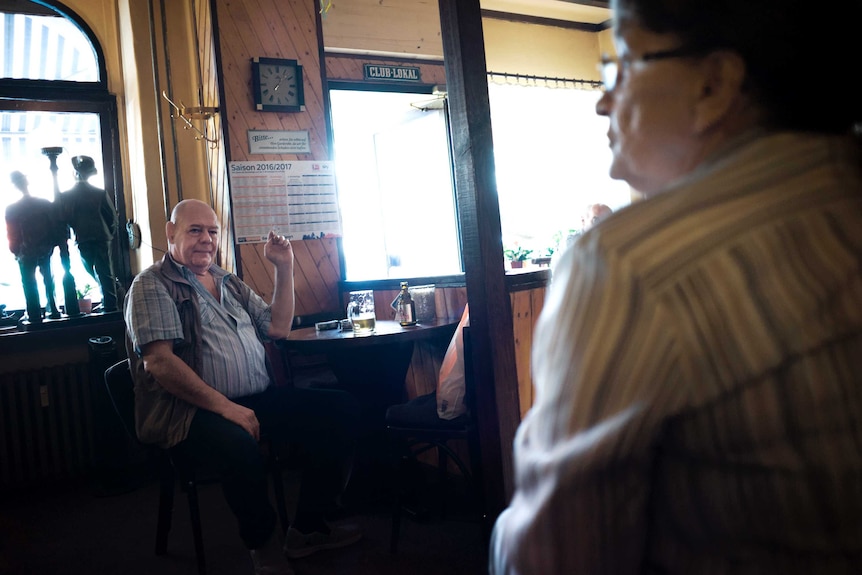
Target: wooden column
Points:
(479, 211)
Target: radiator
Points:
(46, 425)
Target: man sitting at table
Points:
(202, 385)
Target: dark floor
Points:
(81, 530)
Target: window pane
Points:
(394, 186)
(552, 159)
(22, 137)
(41, 46)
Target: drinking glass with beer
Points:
(360, 312)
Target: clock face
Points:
(277, 85)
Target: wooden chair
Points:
(414, 428)
(173, 468)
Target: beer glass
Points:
(360, 312)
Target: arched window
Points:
(54, 105)
(42, 44)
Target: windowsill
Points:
(455, 280)
(527, 278)
(55, 333)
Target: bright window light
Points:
(394, 175)
(22, 136)
(552, 159)
(394, 186)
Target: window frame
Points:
(29, 95)
(388, 283)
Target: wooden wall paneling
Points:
(450, 302)
(339, 68)
(526, 307)
(324, 256)
(538, 302)
(238, 126)
(522, 325)
(278, 29)
(292, 33)
(304, 276)
(238, 41)
(382, 300)
(537, 297)
(303, 33)
(252, 272)
(315, 278)
(258, 272)
(315, 274)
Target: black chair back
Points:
(416, 428)
(121, 390)
(172, 466)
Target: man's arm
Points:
(14, 236)
(279, 251)
(180, 380)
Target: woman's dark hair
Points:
(804, 60)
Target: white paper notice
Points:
(296, 199)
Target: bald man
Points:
(196, 338)
(594, 214)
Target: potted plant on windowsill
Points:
(517, 256)
(85, 303)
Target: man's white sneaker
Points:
(270, 560)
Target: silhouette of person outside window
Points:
(90, 213)
(33, 232)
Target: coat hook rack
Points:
(187, 114)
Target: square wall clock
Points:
(277, 85)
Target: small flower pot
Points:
(85, 305)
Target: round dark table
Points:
(365, 363)
(374, 366)
(373, 369)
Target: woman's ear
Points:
(721, 89)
